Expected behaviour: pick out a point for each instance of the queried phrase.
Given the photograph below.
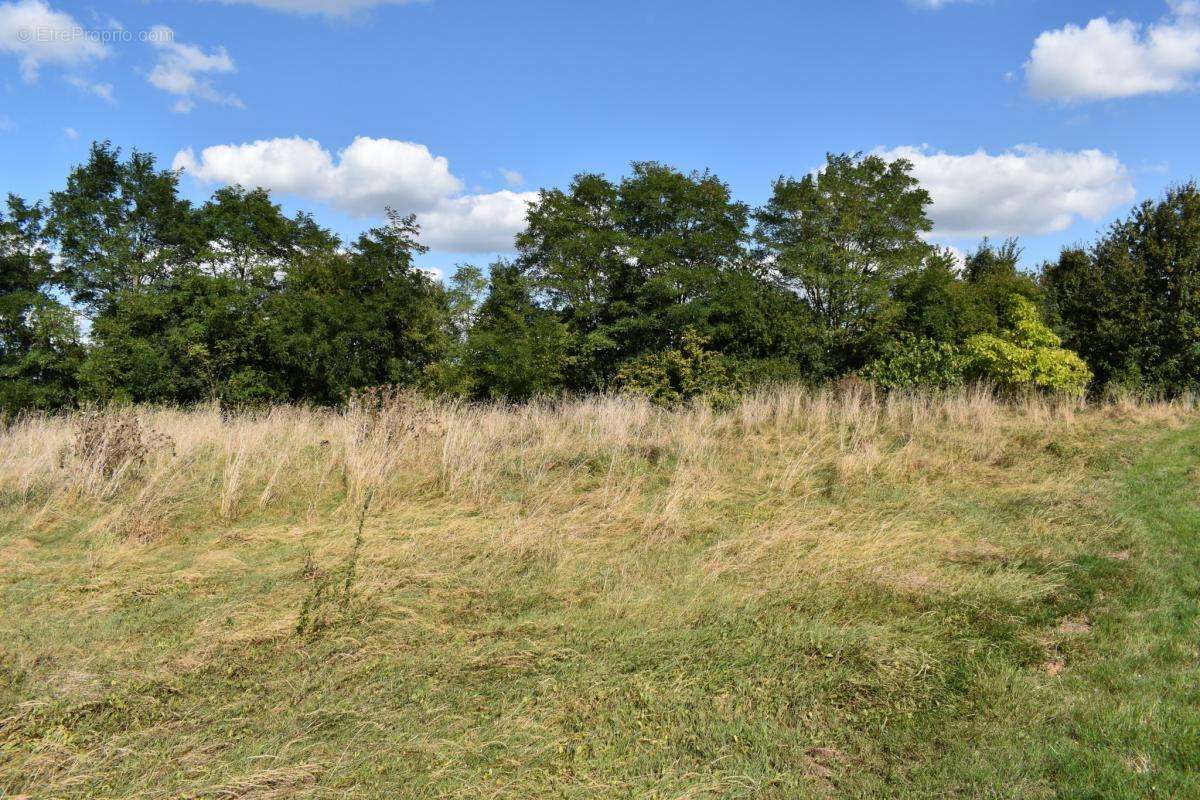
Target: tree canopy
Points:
(660, 282)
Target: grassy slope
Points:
(956, 618)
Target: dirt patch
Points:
(1068, 628)
(822, 764)
(1054, 665)
(1075, 626)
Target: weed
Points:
(333, 590)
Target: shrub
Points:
(682, 374)
(917, 362)
(109, 443)
(250, 388)
(1026, 355)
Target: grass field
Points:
(815, 594)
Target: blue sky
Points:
(1039, 118)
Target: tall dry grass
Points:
(580, 467)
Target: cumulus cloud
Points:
(1027, 190)
(360, 180)
(366, 177)
(330, 8)
(1108, 59)
(184, 69)
(481, 223)
(37, 36)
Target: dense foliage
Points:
(119, 289)
(1131, 304)
(918, 363)
(679, 374)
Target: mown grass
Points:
(812, 595)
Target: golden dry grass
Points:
(795, 465)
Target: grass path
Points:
(1120, 717)
(1129, 725)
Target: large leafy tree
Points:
(121, 226)
(197, 337)
(944, 303)
(841, 238)
(575, 251)
(629, 266)
(175, 293)
(40, 348)
(247, 236)
(516, 350)
(1131, 305)
(365, 317)
(991, 278)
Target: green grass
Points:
(1052, 652)
(1122, 718)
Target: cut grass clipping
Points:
(811, 594)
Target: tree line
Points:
(118, 289)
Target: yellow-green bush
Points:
(1026, 355)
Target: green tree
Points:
(991, 277)
(932, 301)
(841, 238)
(943, 303)
(194, 336)
(176, 293)
(120, 226)
(468, 288)
(1131, 304)
(367, 317)
(40, 348)
(1026, 355)
(246, 235)
(628, 266)
(516, 350)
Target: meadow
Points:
(814, 593)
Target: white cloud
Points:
(512, 177)
(480, 223)
(331, 8)
(1027, 190)
(102, 90)
(1107, 59)
(958, 256)
(38, 36)
(182, 70)
(71, 133)
(366, 177)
